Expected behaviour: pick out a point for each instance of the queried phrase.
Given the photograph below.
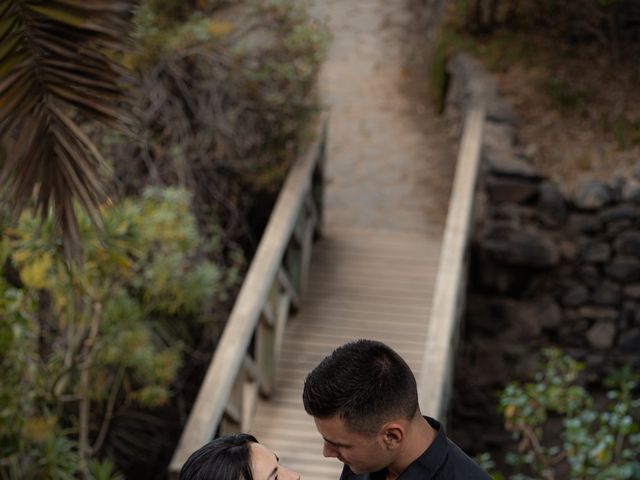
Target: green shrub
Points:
(599, 442)
(225, 94)
(81, 342)
(565, 96)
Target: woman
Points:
(235, 457)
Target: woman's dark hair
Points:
(225, 458)
(365, 383)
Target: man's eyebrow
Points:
(335, 444)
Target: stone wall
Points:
(548, 267)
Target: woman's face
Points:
(265, 465)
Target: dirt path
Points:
(391, 157)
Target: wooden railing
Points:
(449, 294)
(244, 362)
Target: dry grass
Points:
(579, 112)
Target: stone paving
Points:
(391, 157)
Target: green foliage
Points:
(626, 131)
(578, 19)
(598, 442)
(103, 470)
(226, 91)
(81, 342)
(565, 95)
(498, 52)
(446, 45)
(158, 33)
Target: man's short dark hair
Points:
(225, 458)
(366, 383)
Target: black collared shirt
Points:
(443, 460)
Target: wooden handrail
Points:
(275, 281)
(450, 288)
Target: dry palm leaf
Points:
(54, 70)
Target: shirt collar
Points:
(428, 464)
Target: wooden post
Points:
(284, 306)
(307, 243)
(265, 355)
(232, 419)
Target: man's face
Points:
(363, 453)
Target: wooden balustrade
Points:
(244, 363)
(449, 295)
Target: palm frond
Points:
(55, 72)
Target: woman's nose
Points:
(288, 474)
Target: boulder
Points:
(506, 163)
(616, 187)
(520, 248)
(607, 294)
(632, 291)
(523, 319)
(574, 295)
(591, 312)
(623, 269)
(602, 335)
(616, 227)
(628, 243)
(499, 136)
(629, 341)
(619, 213)
(551, 205)
(591, 195)
(595, 252)
(547, 312)
(589, 275)
(472, 85)
(507, 213)
(510, 190)
(585, 223)
(631, 191)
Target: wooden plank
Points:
(355, 313)
(379, 236)
(309, 353)
(328, 274)
(329, 337)
(370, 297)
(405, 290)
(395, 259)
(398, 308)
(355, 274)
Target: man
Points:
(364, 401)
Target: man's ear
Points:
(393, 435)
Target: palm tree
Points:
(55, 73)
